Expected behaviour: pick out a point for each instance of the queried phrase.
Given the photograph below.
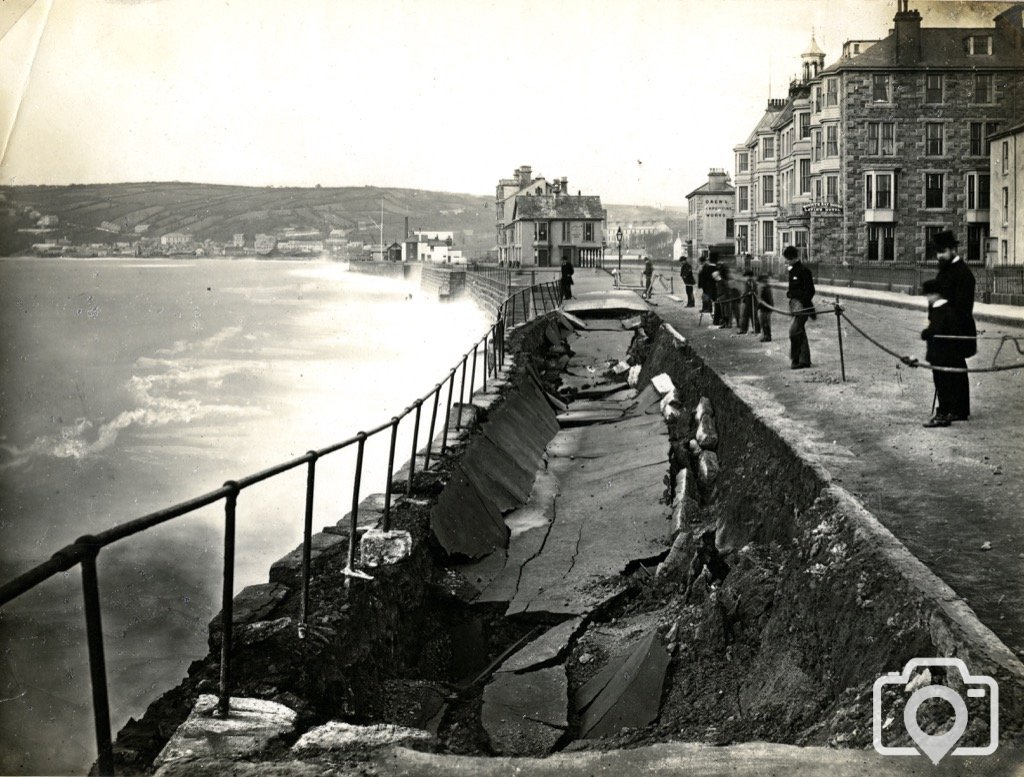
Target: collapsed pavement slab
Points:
(526, 714)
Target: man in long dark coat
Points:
(956, 284)
(801, 305)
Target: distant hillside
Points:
(106, 213)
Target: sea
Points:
(127, 386)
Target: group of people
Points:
(951, 334)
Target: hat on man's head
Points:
(790, 252)
(944, 240)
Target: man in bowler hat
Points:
(801, 305)
(942, 351)
(956, 283)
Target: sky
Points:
(633, 100)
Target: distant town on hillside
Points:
(194, 219)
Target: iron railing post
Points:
(485, 365)
(353, 537)
(433, 422)
(97, 661)
(839, 329)
(412, 457)
(227, 599)
(307, 533)
(462, 392)
(472, 375)
(386, 520)
(448, 412)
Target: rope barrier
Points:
(911, 361)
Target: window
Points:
(743, 198)
(933, 190)
(977, 191)
(805, 176)
(879, 88)
(1006, 157)
(542, 230)
(881, 138)
(878, 190)
(729, 227)
(933, 88)
(832, 140)
(742, 239)
(817, 189)
(767, 189)
(929, 242)
(980, 134)
(832, 188)
(805, 125)
(1005, 253)
(831, 92)
(588, 231)
(743, 162)
(933, 137)
(983, 88)
(881, 243)
(977, 235)
(566, 231)
(1006, 205)
(979, 45)
(816, 154)
(768, 148)
(768, 236)
(817, 99)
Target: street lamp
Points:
(618, 239)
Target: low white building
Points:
(1006, 207)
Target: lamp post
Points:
(618, 239)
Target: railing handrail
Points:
(84, 550)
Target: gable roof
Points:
(531, 207)
(764, 125)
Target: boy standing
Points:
(764, 295)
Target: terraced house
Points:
(886, 146)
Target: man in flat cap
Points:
(956, 284)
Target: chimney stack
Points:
(907, 28)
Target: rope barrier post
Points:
(307, 538)
(472, 376)
(486, 367)
(412, 456)
(227, 600)
(386, 520)
(97, 662)
(839, 329)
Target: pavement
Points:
(953, 496)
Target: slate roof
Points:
(727, 188)
(784, 116)
(941, 47)
(763, 125)
(533, 207)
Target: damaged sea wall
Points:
(849, 601)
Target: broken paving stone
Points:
(707, 435)
(685, 512)
(585, 658)
(663, 383)
(248, 730)
(547, 647)
(703, 408)
(707, 468)
(335, 736)
(380, 548)
(526, 714)
(679, 556)
(634, 375)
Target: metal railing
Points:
(521, 306)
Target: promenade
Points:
(954, 496)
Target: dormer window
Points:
(979, 45)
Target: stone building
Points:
(899, 133)
(1007, 200)
(711, 207)
(539, 222)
